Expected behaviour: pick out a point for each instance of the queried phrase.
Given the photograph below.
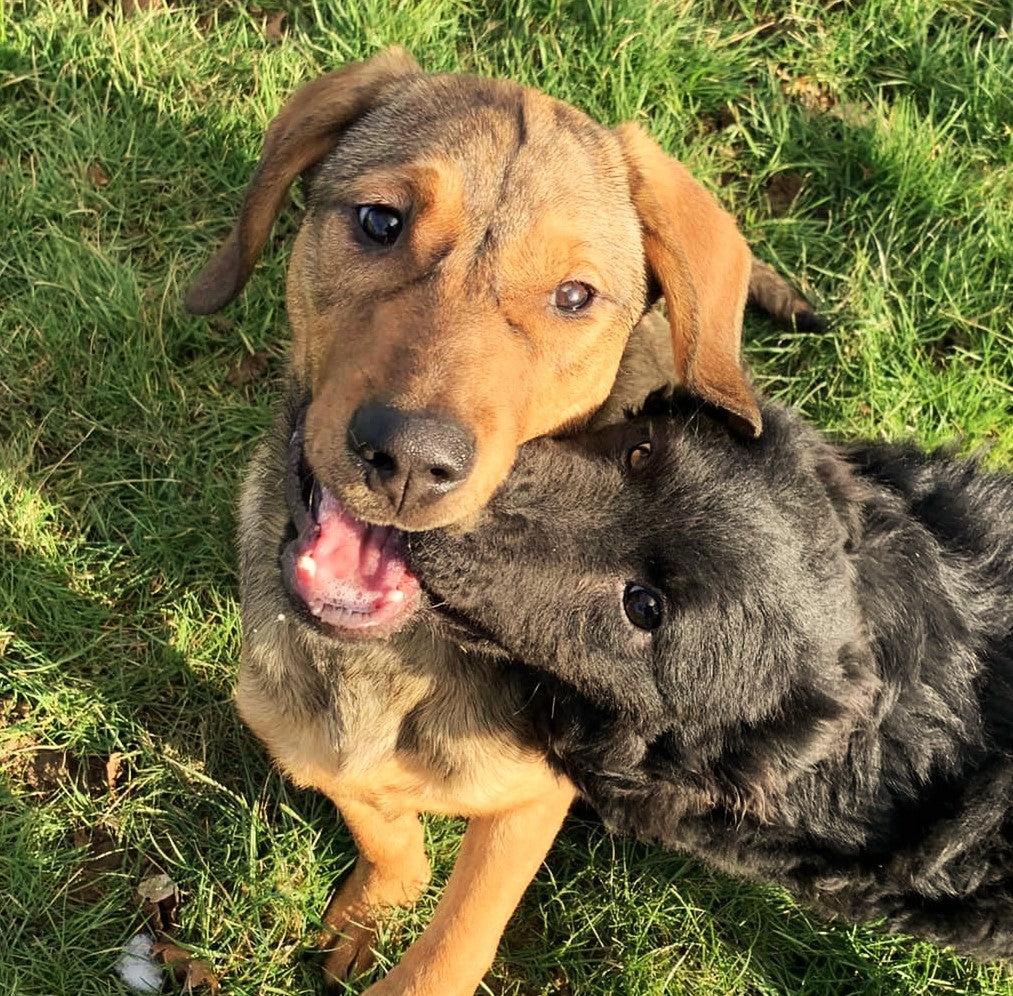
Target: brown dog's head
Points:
(473, 259)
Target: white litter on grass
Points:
(136, 966)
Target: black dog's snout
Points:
(411, 458)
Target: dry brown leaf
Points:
(781, 191)
(193, 973)
(170, 953)
(156, 888)
(97, 176)
(113, 765)
(157, 896)
(199, 974)
(250, 368)
(274, 28)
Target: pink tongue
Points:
(352, 573)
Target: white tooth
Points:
(308, 565)
(397, 595)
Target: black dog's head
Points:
(674, 575)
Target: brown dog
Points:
(473, 262)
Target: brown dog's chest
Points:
(400, 736)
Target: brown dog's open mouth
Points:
(350, 575)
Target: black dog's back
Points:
(962, 523)
(934, 561)
(968, 512)
(792, 659)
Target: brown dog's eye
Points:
(638, 456)
(642, 607)
(572, 295)
(381, 223)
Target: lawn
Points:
(867, 149)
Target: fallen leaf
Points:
(251, 367)
(158, 896)
(113, 765)
(198, 974)
(274, 28)
(781, 191)
(170, 953)
(97, 176)
(192, 972)
(155, 888)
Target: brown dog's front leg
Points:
(499, 856)
(392, 870)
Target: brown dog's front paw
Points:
(349, 930)
(347, 948)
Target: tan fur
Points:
(506, 193)
(498, 858)
(705, 314)
(492, 775)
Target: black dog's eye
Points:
(381, 223)
(639, 455)
(572, 296)
(643, 607)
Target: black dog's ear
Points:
(678, 403)
(814, 724)
(657, 403)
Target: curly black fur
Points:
(827, 702)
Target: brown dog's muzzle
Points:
(409, 459)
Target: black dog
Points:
(792, 659)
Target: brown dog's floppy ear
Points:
(304, 131)
(702, 264)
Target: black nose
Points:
(411, 458)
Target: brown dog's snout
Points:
(410, 458)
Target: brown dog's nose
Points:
(412, 458)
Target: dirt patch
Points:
(781, 191)
(50, 770)
(249, 369)
(812, 94)
(101, 856)
(45, 770)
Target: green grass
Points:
(124, 146)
